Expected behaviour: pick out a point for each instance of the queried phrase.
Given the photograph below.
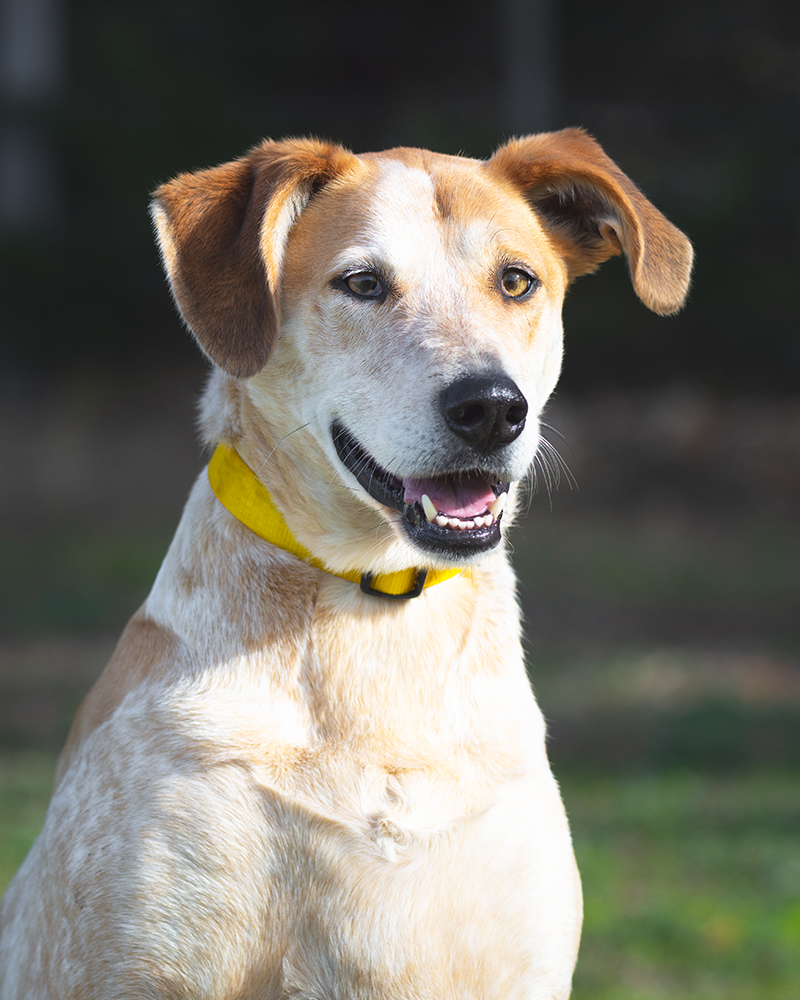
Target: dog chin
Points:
(452, 517)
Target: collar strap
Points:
(242, 494)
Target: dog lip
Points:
(389, 491)
(380, 484)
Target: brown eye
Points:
(365, 284)
(516, 282)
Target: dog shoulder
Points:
(144, 650)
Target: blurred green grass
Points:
(26, 783)
(691, 884)
(691, 880)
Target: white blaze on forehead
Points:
(405, 232)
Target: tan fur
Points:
(281, 787)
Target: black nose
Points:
(484, 410)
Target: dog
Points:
(314, 767)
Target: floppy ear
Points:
(594, 212)
(222, 234)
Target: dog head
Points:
(394, 319)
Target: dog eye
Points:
(515, 282)
(364, 284)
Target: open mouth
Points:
(457, 514)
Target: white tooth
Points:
(480, 521)
(453, 522)
(430, 510)
(441, 520)
(498, 505)
(469, 524)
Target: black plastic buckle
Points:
(367, 588)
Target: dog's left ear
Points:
(222, 234)
(593, 212)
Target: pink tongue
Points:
(465, 496)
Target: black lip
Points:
(388, 490)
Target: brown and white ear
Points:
(222, 234)
(593, 211)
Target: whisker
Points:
(540, 463)
(553, 450)
(555, 430)
(266, 460)
(547, 470)
(528, 486)
(559, 464)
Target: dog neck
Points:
(244, 496)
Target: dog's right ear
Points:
(222, 234)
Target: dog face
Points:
(429, 321)
(410, 307)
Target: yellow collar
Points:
(241, 493)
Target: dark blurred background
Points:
(697, 101)
(661, 589)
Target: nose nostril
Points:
(468, 415)
(486, 411)
(517, 414)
